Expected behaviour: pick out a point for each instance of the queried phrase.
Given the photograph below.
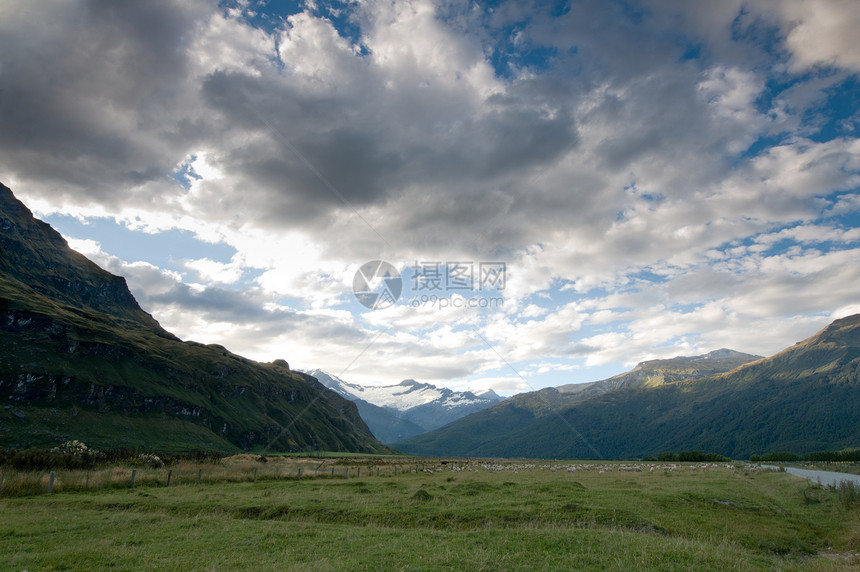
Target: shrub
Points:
(780, 457)
(845, 456)
(849, 494)
(691, 456)
(44, 459)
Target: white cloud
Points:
(821, 32)
(211, 271)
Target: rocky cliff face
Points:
(37, 257)
(79, 359)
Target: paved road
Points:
(826, 478)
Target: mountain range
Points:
(79, 359)
(802, 399)
(396, 412)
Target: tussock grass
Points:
(235, 469)
(849, 494)
(459, 516)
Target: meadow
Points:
(395, 513)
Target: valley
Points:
(415, 514)
(396, 285)
(802, 399)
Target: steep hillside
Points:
(660, 371)
(802, 399)
(79, 359)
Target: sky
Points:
(509, 195)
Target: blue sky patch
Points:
(163, 249)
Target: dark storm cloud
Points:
(104, 99)
(309, 158)
(88, 91)
(319, 154)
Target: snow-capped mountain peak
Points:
(422, 403)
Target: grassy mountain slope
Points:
(79, 359)
(483, 431)
(802, 399)
(660, 371)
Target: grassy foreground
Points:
(476, 515)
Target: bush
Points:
(44, 459)
(780, 457)
(845, 456)
(810, 494)
(691, 456)
(74, 455)
(849, 494)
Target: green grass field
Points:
(475, 515)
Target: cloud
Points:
(821, 33)
(211, 271)
(93, 97)
(659, 176)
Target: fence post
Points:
(255, 475)
(332, 472)
(300, 474)
(169, 474)
(346, 473)
(51, 482)
(377, 471)
(199, 474)
(359, 473)
(133, 475)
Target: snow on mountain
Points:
(421, 403)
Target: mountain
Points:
(384, 424)
(802, 399)
(79, 359)
(408, 408)
(478, 431)
(658, 372)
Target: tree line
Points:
(844, 456)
